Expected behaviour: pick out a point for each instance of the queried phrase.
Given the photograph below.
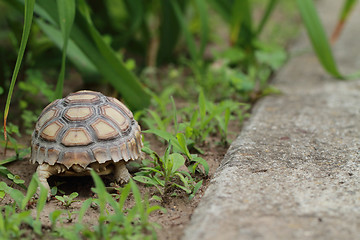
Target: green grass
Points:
(319, 40)
(29, 10)
(111, 44)
(66, 11)
(113, 220)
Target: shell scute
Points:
(78, 113)
(82, 97)
(76, 137)
(101, 154)
(104, 130)
(81, 158)
(122, 107)
(45, 118)
(116, 116)
(51, 131)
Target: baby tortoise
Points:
(83, 131)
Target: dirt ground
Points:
(178, 209)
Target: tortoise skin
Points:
(84, 130)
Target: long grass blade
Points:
(124, 81)
(136, 11)
(74, 53)
(236, 21)
(223, 8)
(241, 33)
(344, 14)
(29, 11)
(190, 41)
(268, 11)
(318, 37)
(169, 32)
(204, 30)
(66, 10)
(86, 37)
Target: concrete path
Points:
(294, 171)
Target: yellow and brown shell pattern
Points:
(83, 128)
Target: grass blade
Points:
(318, 37)
(269, 9)
(176, 124)
(190, 41)
(204, 31)
(29, 11)
(241, 24)
(109, 64)
(169, 32)
(74, 53)
(86, 37)
(182, 143)
(66, 10)
(223, 8)
(20, 156)
(344, 14)
(124, 195)
(202, 105)
(30, 191)
(136, 11)
(203, 162)
(15, 194)
(138, 201)
(100, 190)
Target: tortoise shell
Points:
(83, 128)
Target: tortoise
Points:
(83, 131)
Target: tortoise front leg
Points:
(121, 173)
(44, 171)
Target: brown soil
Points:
(178, 209)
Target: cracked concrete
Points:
(294, 170)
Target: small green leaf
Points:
(203, 163)
(196, 188)
(178, 161)
(194, 119)
(146, 180)
(156, 198)
(54, 216)
(73, 195)
(60, 198)
(2, 194)
(182, 143)
(167, 136)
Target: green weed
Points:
(16, 214)
(67, 200)
(114, 219)
(131, 222)
(167, 172)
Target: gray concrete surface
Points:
(294, 170)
